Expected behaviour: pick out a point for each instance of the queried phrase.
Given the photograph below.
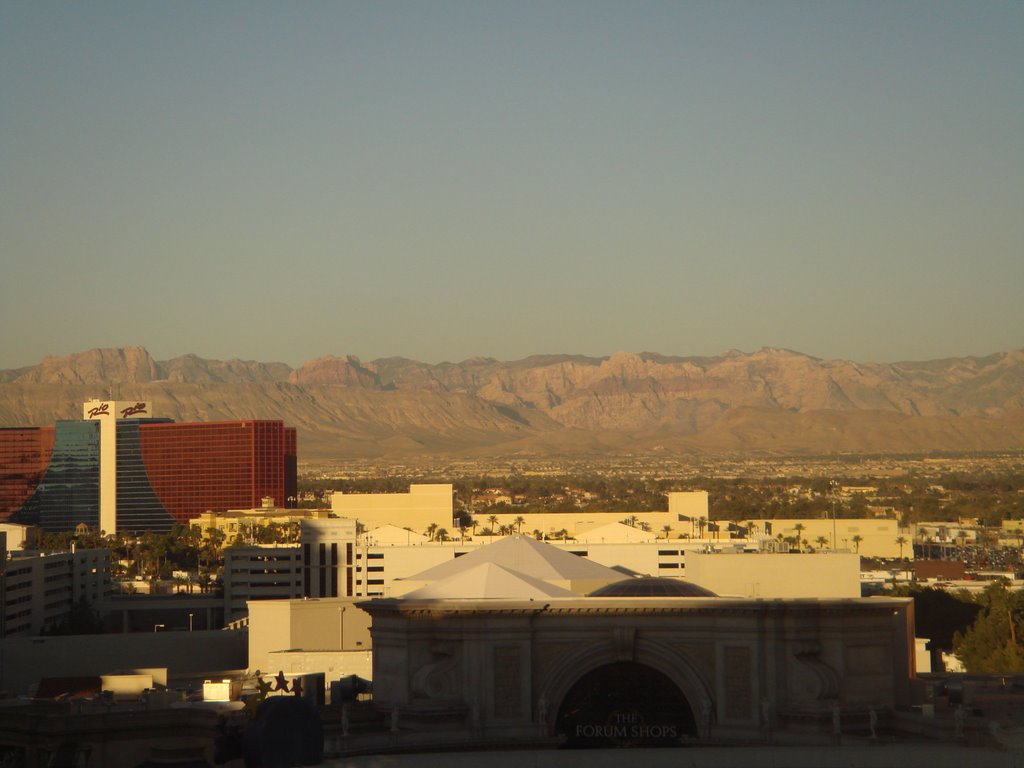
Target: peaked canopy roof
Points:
(526, 556)
(489, 580)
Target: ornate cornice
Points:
(633, 606)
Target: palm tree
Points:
(901, 541)
(666, 529)
(701, 522)
(646, 527)
(857, 539)
(493, 520)
(799, 528)
(821, 541)
(518, 523)
(441, 534)
(431, 530)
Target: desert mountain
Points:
(772, 400)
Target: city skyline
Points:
(249, 180)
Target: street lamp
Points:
(833, 485)
(159, 627)
(190, 622)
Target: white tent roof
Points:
(489, 580)
(525, 555)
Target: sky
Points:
(439, 180)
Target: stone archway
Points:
(625, 704)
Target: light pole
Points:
(190, 622)
(157, 627)
(832, 486)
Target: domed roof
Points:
(652, 586)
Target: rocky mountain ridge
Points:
(771, 400)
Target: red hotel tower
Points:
(123, 470)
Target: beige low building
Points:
(870, 537)
(683, 518)
(1011, 533)
(338, 563)
(424, 505)
(431, 505)
(243, 522)
(328, 635)
(16, 536)
(749, 574)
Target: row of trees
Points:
(158, 555)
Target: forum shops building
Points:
(492, 648)
(119, 469)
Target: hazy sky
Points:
(437, 180)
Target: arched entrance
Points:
(625, 704)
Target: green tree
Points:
(938, 614)
(992, 644)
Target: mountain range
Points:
(772, 401)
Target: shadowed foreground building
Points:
(641, 661)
